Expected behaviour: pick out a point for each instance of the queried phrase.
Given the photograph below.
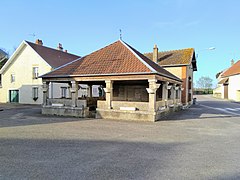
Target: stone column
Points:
(174, 93)
(45, 93)
(109, 93)
(69, 91)
(90, 91)
(180, 93)
(74, 93)
(153, 86)
(165, 91)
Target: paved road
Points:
(201, 142)
(222, 106)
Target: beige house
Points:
(19, 77)
(229, 83)
(182, 63)
(132, 86)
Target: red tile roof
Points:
(174, 57)
(233, 70)
(114, 59)
(53, 57)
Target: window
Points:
(35, 72)
(64, 92)
(35, 93)
(12, 78)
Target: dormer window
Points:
(35, 72)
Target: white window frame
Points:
(35, 72)
(35, 93)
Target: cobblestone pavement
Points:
(196, 143)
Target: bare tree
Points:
(205, 82)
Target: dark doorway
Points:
(14, 96)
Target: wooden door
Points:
(225, 91)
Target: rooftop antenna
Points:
(33, 35)
(120, 35)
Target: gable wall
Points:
(234, 88)
(183, 72)
(21, 67)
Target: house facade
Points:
(182, 63)
(19, 77)
(131, 86)
(228, 83)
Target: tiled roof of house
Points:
(53, 57)
(233, 70)
(174, 57)
(114, 59)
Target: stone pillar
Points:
(174, 93)
(180, 94)
(109, 93)
(153, 86)
(166, 85)
(69, 91)
(74, 93)
(90, 90)
(45, 93)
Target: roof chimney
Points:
(65, 51)
(39, 42)
(60, 48)
(155, 53)
(232, 62)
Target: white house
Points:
(19, 80)
(229, 83)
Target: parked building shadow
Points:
(31, 115)
(197, 112)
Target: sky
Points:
(85, 26)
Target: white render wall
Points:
(234, 88)
(22, 67)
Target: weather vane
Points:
(120, 35)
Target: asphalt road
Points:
(201, 142)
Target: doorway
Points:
(225, 91)
(14, 96)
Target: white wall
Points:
(234, 88)
(22, 67)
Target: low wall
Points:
(67, 102)
(141, 106)
(125, 115)
(66, 111)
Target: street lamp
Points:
(206, 49)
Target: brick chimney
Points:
(65, 51)
(39, 42)
(60, 48)
(232, 62)
(155, 53)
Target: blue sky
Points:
(85, 26)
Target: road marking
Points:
(220, 109)
(231, 109)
